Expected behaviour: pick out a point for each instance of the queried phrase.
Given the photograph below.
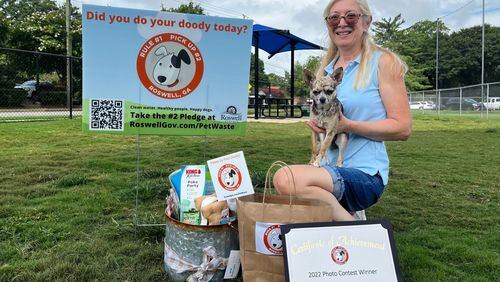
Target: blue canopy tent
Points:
(275, 41)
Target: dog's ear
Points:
(181, 57)
(232, 172)
(162, 51)
(337, 75)
(308, 77)
(175, 62)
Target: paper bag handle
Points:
(267, 184)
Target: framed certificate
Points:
(344, 251)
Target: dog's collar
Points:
(173, 84)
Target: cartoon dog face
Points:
(339, 255)
(275, 241)
(167, 69)
(229, 178)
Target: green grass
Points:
(67, 198)
(469, 114)
(5, 118)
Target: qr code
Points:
(106, 115)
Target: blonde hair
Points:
(368, 47)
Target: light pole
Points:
(482, 70)
(68, 54)
(437, 48)
(437, 67)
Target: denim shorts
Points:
(354, 189)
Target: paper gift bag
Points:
(261, 257)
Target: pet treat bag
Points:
(258, 216)
(192, 186)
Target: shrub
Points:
(17, 97)
(77, 98)
(12, 97)
(53, 98)
(4, 97)
(6, 82)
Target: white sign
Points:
(233, 265)
(268, 239)
(230, 176)
(359, 251)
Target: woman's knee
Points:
(282, 181)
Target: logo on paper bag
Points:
(268, 239)
(170, 66)
(229, 177)
(339, 255)
(272, 239)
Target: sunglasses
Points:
(351, 18)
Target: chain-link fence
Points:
(467, 100)
(33, 85)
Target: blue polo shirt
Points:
(367, 155)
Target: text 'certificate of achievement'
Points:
(344, 251)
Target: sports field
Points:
(67, 198)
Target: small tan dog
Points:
(326, 109)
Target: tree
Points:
(38, 26)
(387, 30)
(301, 89)
(415, 45)
(460, 56)
(190, 8)
(415, 79)
(277, 80)
(419, 43)
(263, 79)
(16, 11)
(312, 63)
(5, 73)
(4, 30)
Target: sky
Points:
(304, 17)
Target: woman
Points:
(376, 109)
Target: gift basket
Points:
(200, 230)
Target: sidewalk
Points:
(278, 120)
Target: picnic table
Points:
(273, 105)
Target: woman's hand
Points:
(344, 124)
(313, 124)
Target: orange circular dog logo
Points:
(339, 255)
(272, 239)
(229, 177)
(170, 66)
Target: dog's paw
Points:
(316, 164)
